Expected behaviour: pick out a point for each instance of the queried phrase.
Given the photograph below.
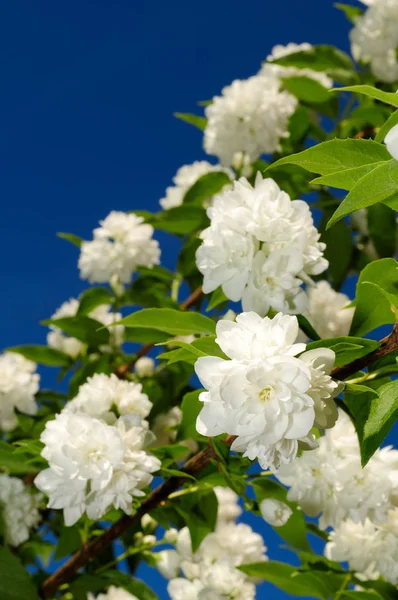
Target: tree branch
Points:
(124, 369)
(194, 465)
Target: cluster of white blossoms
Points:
(327, 310)
(281, 72)
(374, 38)
(185, 178)
(265, 395)
(259, 247)
(210, 572)
(74, 347)
(330, 481)
(18, 385)
(122, 243)
(18, 510)
(96, 450)
(113, 593)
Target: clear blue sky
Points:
(88, 93)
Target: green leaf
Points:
(373, 309)
(195, 120)
(382, 416)
(347, 348)
(93, 297)
(86, 583)
(205, 187)
(72, 238)
(380, 185)
(293, 581)
(351, 12)
(336, 155)
(138, 588)
(43, 355)
(294, 531)
(14, 464)
(359, 399)
(190, 408)
(218, 297)
(307, 328)
(170, 321)
(15, 582)
(145, 336)
(199, 512)
(328, 59)
(372, 92)
(69, 541)
(389, 124)
(382, 229)
(338, 252)
(181, 220)
(347, 179)
(351, 595)
(306, 89)
(83, 328)
(148, 291)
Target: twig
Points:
(192, 466)
(122, 371)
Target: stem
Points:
(193, 466)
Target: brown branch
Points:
(192, 466)
(124, 369)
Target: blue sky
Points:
(88, 94)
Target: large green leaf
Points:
(195, 120)
(382, 416)
(170, 321)
(359, 399)
(389, 124)
(346, 348)
(69, 541)
(307, 89)
(382, 225)
(15, 583)
(181, 220)
(199, 512)
(336, 155)
(205, 187)
(43, 355)
(373, 308)
(93, 297)
(380, 185)
(347, 179)
(372, 92)
(338, 252)
(190, 407)
(83, 328)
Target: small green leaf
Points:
(83, 328)
(218, 297)
(195, 120)
(72, 238)
(347, 179)
(15, 582)
(347, 348)
(170, 321)
(190, 407)
(181, 220)
(351, 12)
(14, 464)
(205, 187)
(199, 512)
(382, 416)
(382, 229)
(389, 124)
(307, 328)
(43, 355)
(338, 252)
(372, 92)
(359, 399)
(69, 541)
(373, 309)
(380, 185)
(306, 89)
(93, 297)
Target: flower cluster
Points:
(185, 178)
(18, 510)
(330, 481)
(259, 247)
(370, 549)
(285, 72)
(251, 116)
(265, 395)
(74, 347)
(374, 39)
(97, 459)
(113, 593)
(211, 572)
(18, 385)
(327, 310)
(122, 243)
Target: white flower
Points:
(228, 507)
(375, 38)
(260, 247)
(168, 563)
(120, 245)
(391, 141)
(145, 366)
(286, 72)
(185, 178)
(101, 393)
(18, 386)
(327, 310)
(264, 395)
(237, 541)
(275, 512)
(18, 510)
(182, 589)
(113, 593)
(93, 466)
(330, 481)
(250, 116)
(371, 550)
(72, 346)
